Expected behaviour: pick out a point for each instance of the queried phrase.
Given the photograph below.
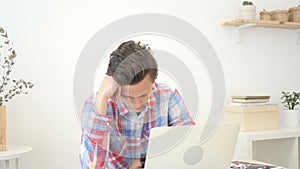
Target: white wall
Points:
(49, 36)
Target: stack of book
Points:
(254, 112)
(250, 99)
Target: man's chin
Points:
(136, 110)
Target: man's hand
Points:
(107, 89)
(136, 164)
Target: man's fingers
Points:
(136, 164)
(108, 86)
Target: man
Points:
(116, 123)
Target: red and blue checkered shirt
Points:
(115, 140)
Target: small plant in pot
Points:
(291, 115)
(248, 10)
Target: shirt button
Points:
(107, 123)
(114, 158)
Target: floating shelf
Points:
(262, 23)
(242, 23)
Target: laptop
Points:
(184, 146)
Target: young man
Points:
(116, 123)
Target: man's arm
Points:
(94, 139)
(107, 89)
(95, 126)
(178, 113)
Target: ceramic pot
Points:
(291, 117)
(248, 12)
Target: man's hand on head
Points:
(107, 89)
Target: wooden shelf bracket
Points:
(238, 28)
(298, 36)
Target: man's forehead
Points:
(135, 91)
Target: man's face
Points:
(136, 96)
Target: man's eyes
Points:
(125, 96)
(129, 97)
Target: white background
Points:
(50, 34)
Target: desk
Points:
(14, 152)
(279, 146)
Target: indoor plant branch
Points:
(7, 59)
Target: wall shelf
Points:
(242, 24)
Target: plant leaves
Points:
(7, 59)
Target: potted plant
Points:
(9, 87)
(291, 114)
(247, 10)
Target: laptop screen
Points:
(180, 147)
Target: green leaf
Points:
(247, 3)
(290, 99)
(5, 35)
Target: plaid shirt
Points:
(125, 134)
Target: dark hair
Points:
(131, 62)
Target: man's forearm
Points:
(100, 106)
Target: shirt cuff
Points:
(98, 126)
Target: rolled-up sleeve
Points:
(178, 114)
(95, 136)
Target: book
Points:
(254, 108)
(251, 97)
(248, 100)
(252, 104)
